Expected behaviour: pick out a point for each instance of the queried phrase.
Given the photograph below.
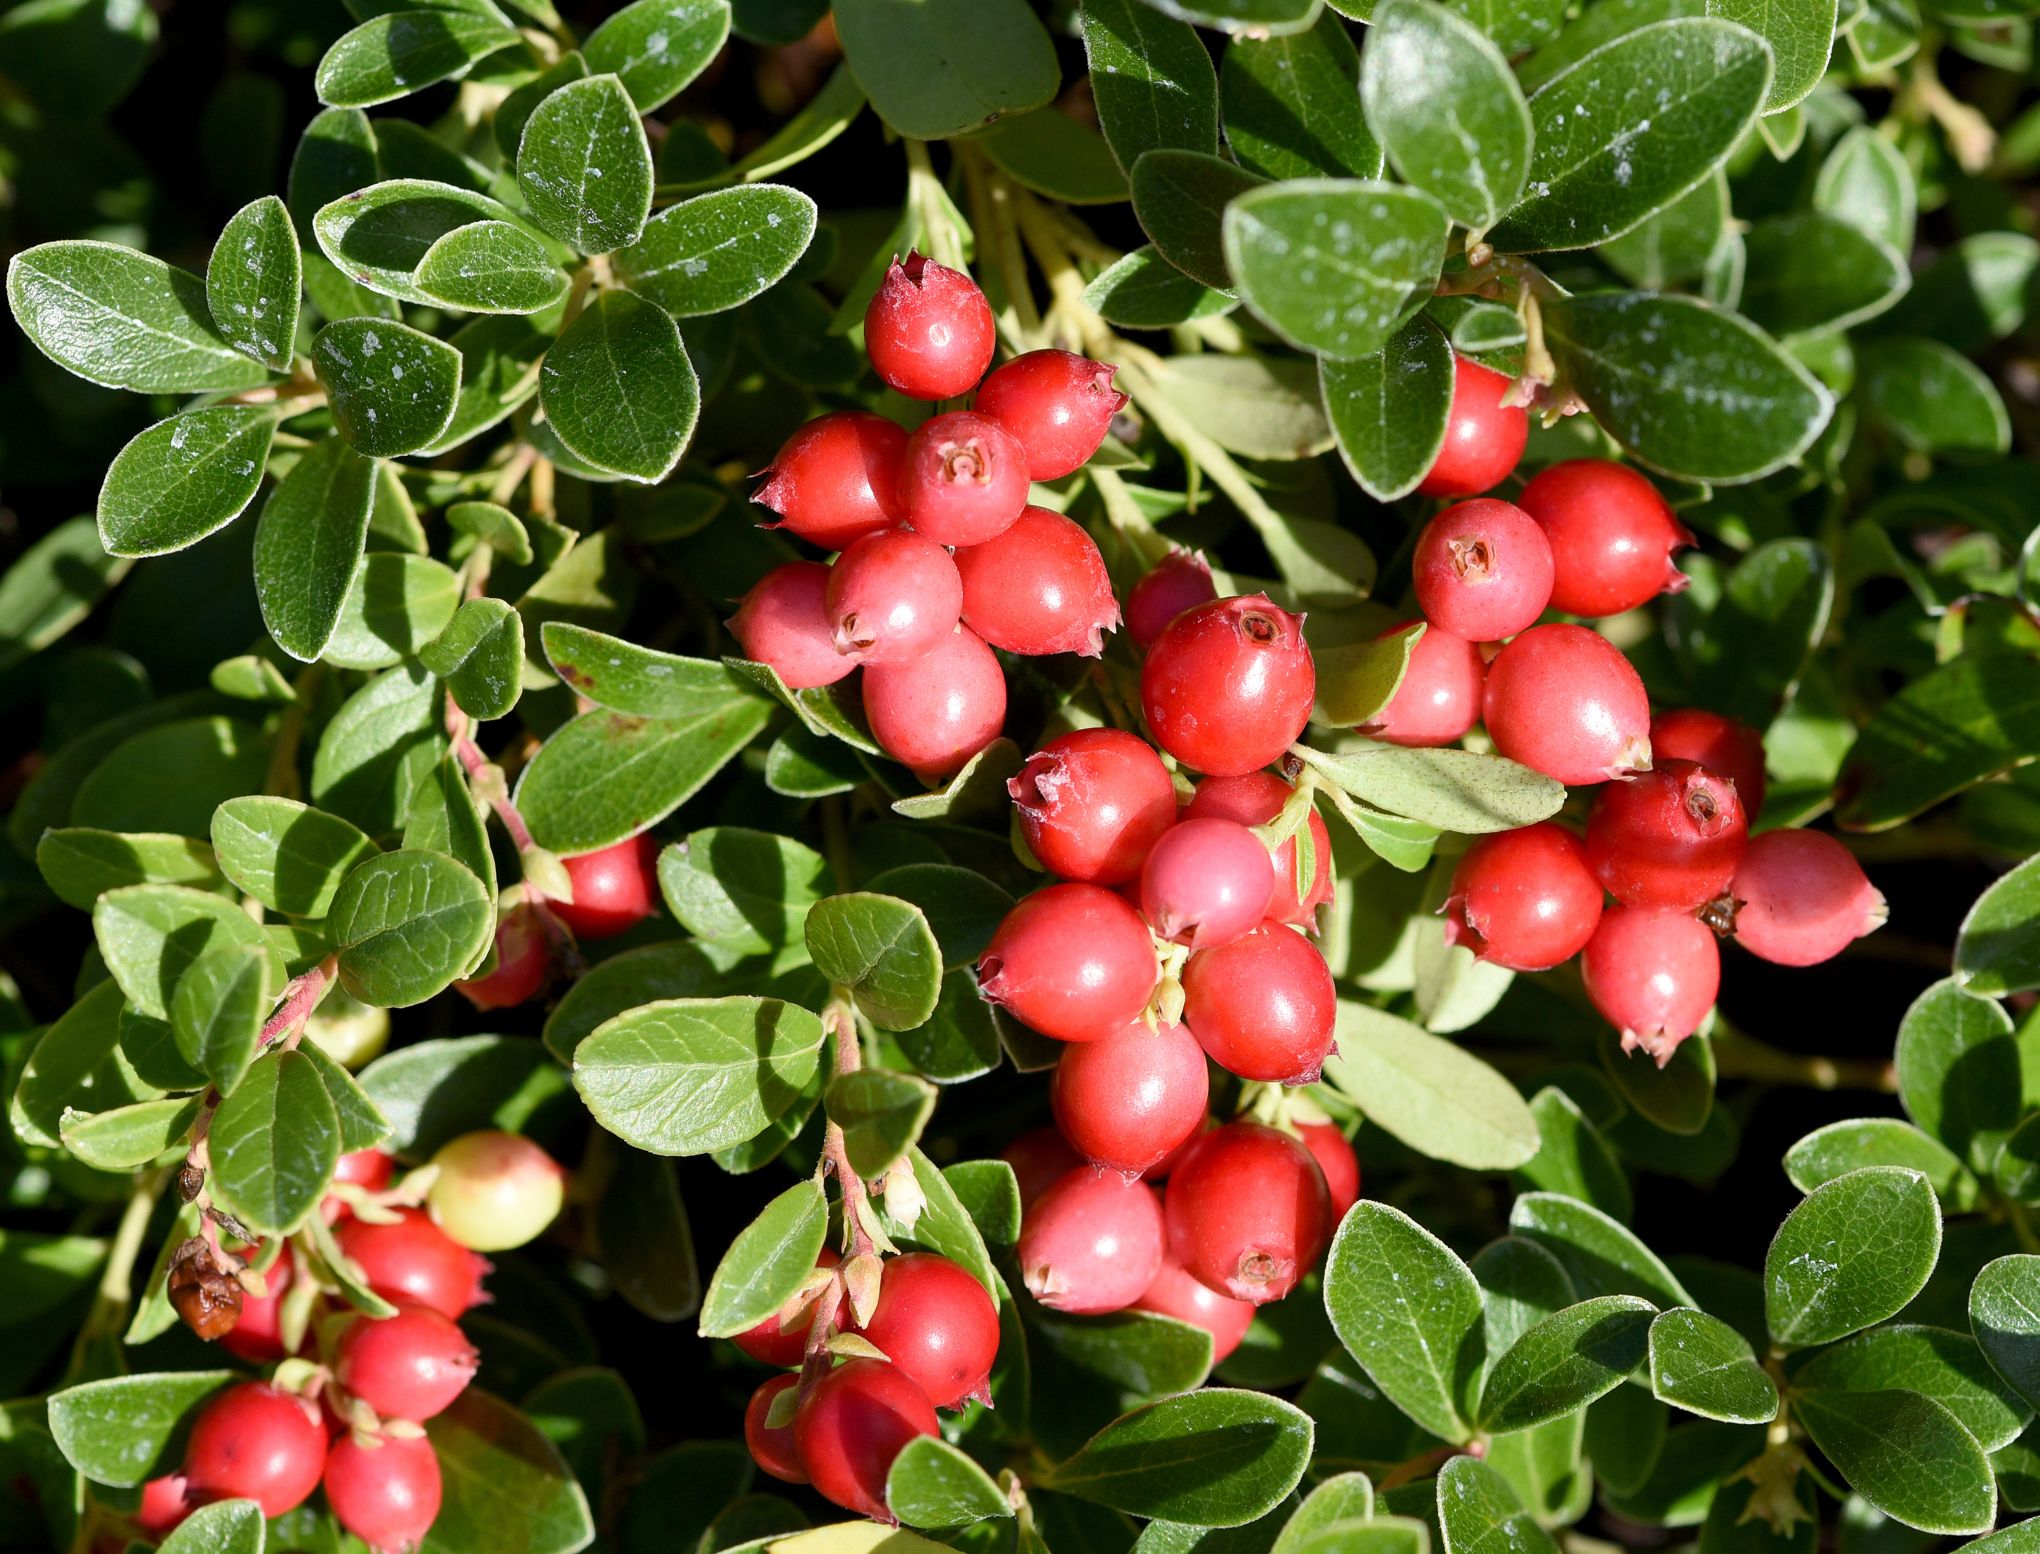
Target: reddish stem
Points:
(300, 998)
(473, 761)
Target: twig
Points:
(300, 997)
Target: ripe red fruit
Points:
(1564, 701)
(837, 479)
(615, 888)
(1653, 976)
(1248, 1212)
(1092, 1242)
(166, 1501)
(781, 1339)
(258, 1336)
(1092, 802)
(964, 480)
(783, 622)
(934, 714)
(1254, 799)
(929, 330)
(1720, 744)
(1206, 881)
(495, 1190)
(1802, 898)
(368, 1169)
(938, 1326)
(1262, 1006)
(1159, 1171)
(1526, 899)
(1668, 838)
(1483, 438)
(1058, 404)
(385, 1492)
(1038, 1157)
(409, 1366)
(1175, 1293)
(1228, 686)
(1333, 1151)
(1612, 536)
(1073, 961)
(413, 1259)
(856, 1420)
(1127, 1100)
(773, 1447)
(892, 598)
(1482, 570)
(523, 962)
(1439, 698)
(1180, 581)
(1040, 587)
(256, 1442)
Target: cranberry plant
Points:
(1039, 775)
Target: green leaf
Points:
(149, 935)
(881, 1115)
(1479, 1514)
(1151, 79)
(656, 47)
(395, 604)
(1292, 105)
(492, 525)
(218, 1010)
(1810, 271)
(935, 68)
(749, 890)
(882, 952)
(433, 1091)
(1565, 1362)
(1180, 198)
(308, 543)
(1262, 407)
(335, 156)
(392, 387)
(225, 1527)
(647, 1246)
(168, 778)
(1906, 1455)
(584, 166)
(717, 251)
(1946, 1366)
(1960, 724)
(1389, 410)
(1431, 1094)
(443, 818)
(253, 280)
(1573, 1157)
(384, 740)
(767, 1263)
(1867, 181)
(285, 854)
(1356, 680)
(507, 1486)
(688, 1076)
(130, 1136)
(362, 1124)
(1701, 1364)
(183, 479)
(932, 1484)
(2002, 1303)
(1932, 399)
(1998, 949)
(618, 390)
(1249, 17)
(1959, 1071)
(70, 1063)
(1801, 34)
(1840, 1147)
(480, 656)
(491, 267)
(945, 1225)
(1599, 1254)
(52, 586)
(1853, 1253)
(1145, 291)
(380, 235)
(122, 319)
(122, 1430)
(1215, 1458)
(404, 51)
(1673, 246)
(1453, 790)
(80, 864)
(274, 1143)
(406, 925)
(1754, 631)
(1051, 153)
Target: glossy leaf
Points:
(1152, 80)
(585, 168)
(1599, 1254)
(1479, 1514)
(1801, 35)
(1906, 1455)
(767, 1263)
(480, 656)
(882, 952)
(655, 47)
(252, 282)
(881, 1114)
(940, 67)
(392, 387)
(217, 1012)
(1702, 1365)
(308, 544)
(932, 1484)
(719, 250)
(1214, 1458)
(491, 267)
(1292, 106)
(403, 51)
(1389, 409)
(618, 390)
(81, 864)
(120, 1430)
(1934, 1362)
(274, 1142)
(1566, 1361)
(1853, 1253)
(1180, 198)
(184, 478)
(1430, 1093)
(406, 924)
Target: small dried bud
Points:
(190, 1181)
(206, 1296)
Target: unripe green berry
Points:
(495, 1190)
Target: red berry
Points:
(1668, 838)
(1180, 581)
(772, 1447)
(837, 479)
(858, 1418)
(1262, 1006)
(1073, 961)
(1128, 1100)
(782, 622)
(256, 1442)
(1526, 899)
(1653, 976)
(1206, 881)
(1058, 404)
(1041, 587)
(1333, 1151)
(1091, 803)
(1254, 799)
(1092, 1242)
(615, 888)
(166, 1501)
(937, 712)
(386, 1492)
(1439, 698)
(964, 480)
(1482, 570)
(1565, 702)
(1802, 898)
(495, 1190)
(409, 1366)
(1175, 1293)
(1483, 438)
(1228, 686)
(1038, 1157)
(523, 962)
(892, 598)
(1159, 1171)
(781, 1339)
(1721, 744)
(368, 1169)
(929, 330)
(938, 1326)
(413, 1259)
(1248, 1212)
(258, 1336)
(1612, 536)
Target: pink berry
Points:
(166, 1501)
(1262, 1006)
(1175, 1293)
(1565, 702)
(1206, 882)
(1802, 898)
(1668, 838)
(938, 1325)
(782, 622)
(859, 1417)
(523, 963)
(1091, 803)
(781, 1339)
(386, 1491)
(258, 1335)
(929, 330)
(256, 1442)
(937, 712)
(1483, 438)
(1482, 570)
(409, 1366)
(837, 479)
(1125, 1101)
(1228, 687)
(964, 480)
(1039, 588)
(1180, 581)
(1159, 1171)
(1039, 1157)
(1073, 961)
(1254, 799)
(1248, 1212)
(1092, 1242)
(1653, 975)
(1439, 698)
(410, 1258)
(1333, 1151)
(892, 597)
(1058, 404)
(1526, 899)
(1612, 536)
(773, 1447)
(615, 888)
(1720, 744)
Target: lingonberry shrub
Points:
(929, 330)
(1059, 405)
(1092, 803)
(1126, 1101)
(964, 478)
(257, 1333)
(1253, 799)
(1564, 701)
(408, 1366)
(1484, 438)
(1248, 1212)
(386, 1489)
(1228, 685)
(784, 621)
(1439, 697)
(1800, 897)
(1179, 1294)
(1653, 975)
(1091, 1241)
(934, 713)
(1263, 1005)
(493, 1190)
(1482, 570)
(523, 950)
(772, 1446)
(256, 1442)
(1073, 961)
(1612, 536)
(852, 1425)
(781, 1338)
(1206, 882)
(1720, 744)
(892, 598)
(1670, 837)
(837, 478)
(1526, 899)
(405, 1256)
(1179, 581)
(615, 888)
(937, 1325)
(1040, 587)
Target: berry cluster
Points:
(614, 889)
(940, 558)
(347, 1403)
